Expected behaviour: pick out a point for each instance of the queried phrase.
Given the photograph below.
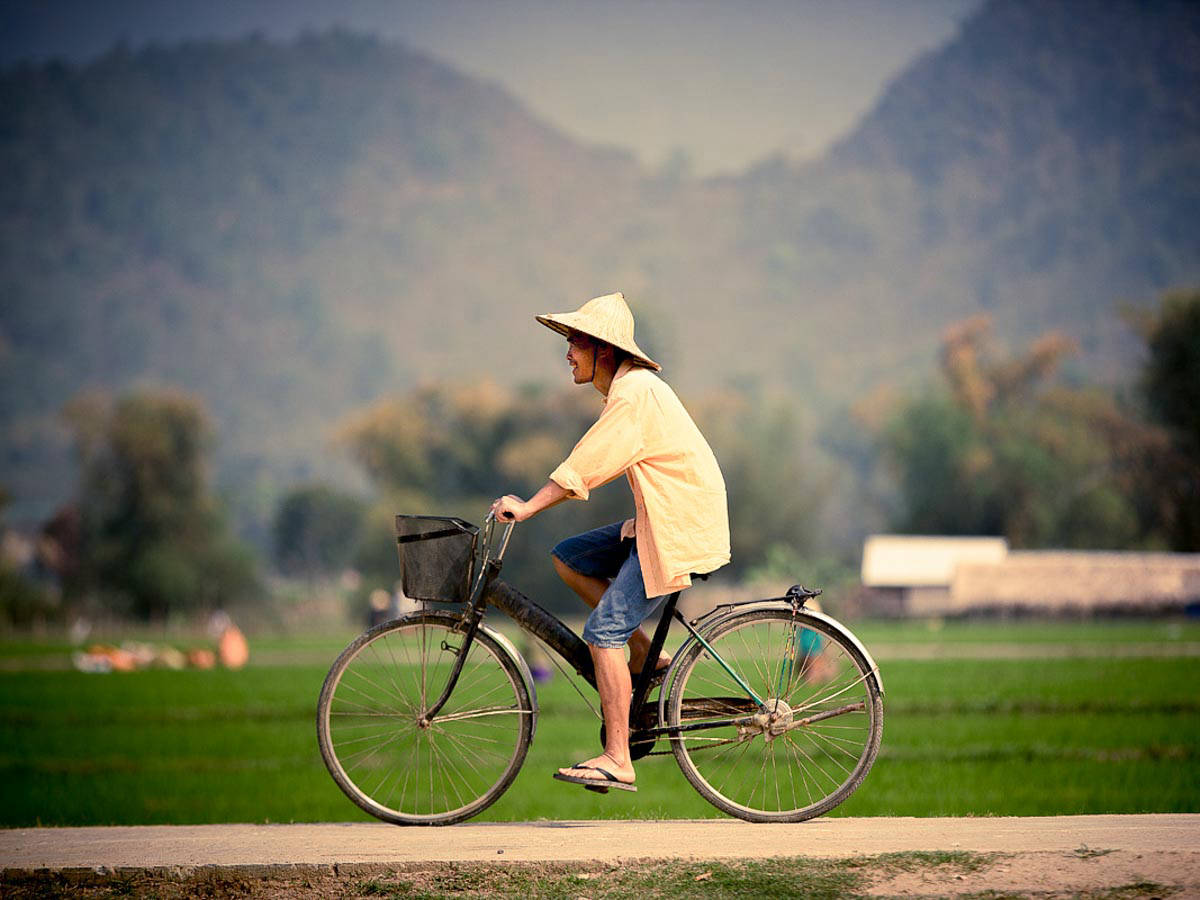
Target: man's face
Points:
(581, 357)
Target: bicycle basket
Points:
(436, 556)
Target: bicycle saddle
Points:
(800, 592)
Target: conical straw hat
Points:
(606, 319)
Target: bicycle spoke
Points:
(360, 676)
(364, 715)
(374, 736)
(805, 778)
(733, 763)
(388, 671)
(841, 742)
(373, 751)
(393, 775)
(444, 762)
(479, 753)
(825, 741)
(775, 779)
(857, 681)
(478, 698)
(421, 632)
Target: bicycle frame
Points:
(490, 589)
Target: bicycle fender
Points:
(523, 667)
(705, 624)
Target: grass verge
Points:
(782, 877)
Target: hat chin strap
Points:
(595, 350)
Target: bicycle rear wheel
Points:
(376, 744)
(801, 751)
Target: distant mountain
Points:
(289, 230)
(1054, 149)
(292, 230)
(1043, 168)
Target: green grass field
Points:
(1102, 718)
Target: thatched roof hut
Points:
(937, 575)
(1079, 581)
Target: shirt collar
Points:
(624, 369)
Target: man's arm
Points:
(511, 508)
(614, 442)
(607, 449)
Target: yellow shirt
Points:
(682, 522)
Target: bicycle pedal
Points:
(599, 789)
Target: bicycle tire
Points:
(783, 769)
(382, 757)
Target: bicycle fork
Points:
(472, 617)
(489, 568)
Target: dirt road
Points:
(1066, 853)
(324, 845)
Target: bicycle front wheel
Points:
(789, 730)
(382, 752)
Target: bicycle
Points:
(774, 712)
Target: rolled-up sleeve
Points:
(613, 443)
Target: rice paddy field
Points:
(981, 718)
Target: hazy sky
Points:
(727, 81)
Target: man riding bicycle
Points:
(680, 526)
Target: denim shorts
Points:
(600, 553)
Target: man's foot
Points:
(603, 770)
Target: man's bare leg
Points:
(616, 690)
(590, 590)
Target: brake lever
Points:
(504, 540)
(488, 523)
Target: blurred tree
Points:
(940, 457)
(1170, 386)
(782, 567)
(1003, 449)
(1171, 374)
(154, 540)
(317, 530)
(774, 498)
(451, 449)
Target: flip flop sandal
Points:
(595, 784)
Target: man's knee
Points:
(564, 571)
